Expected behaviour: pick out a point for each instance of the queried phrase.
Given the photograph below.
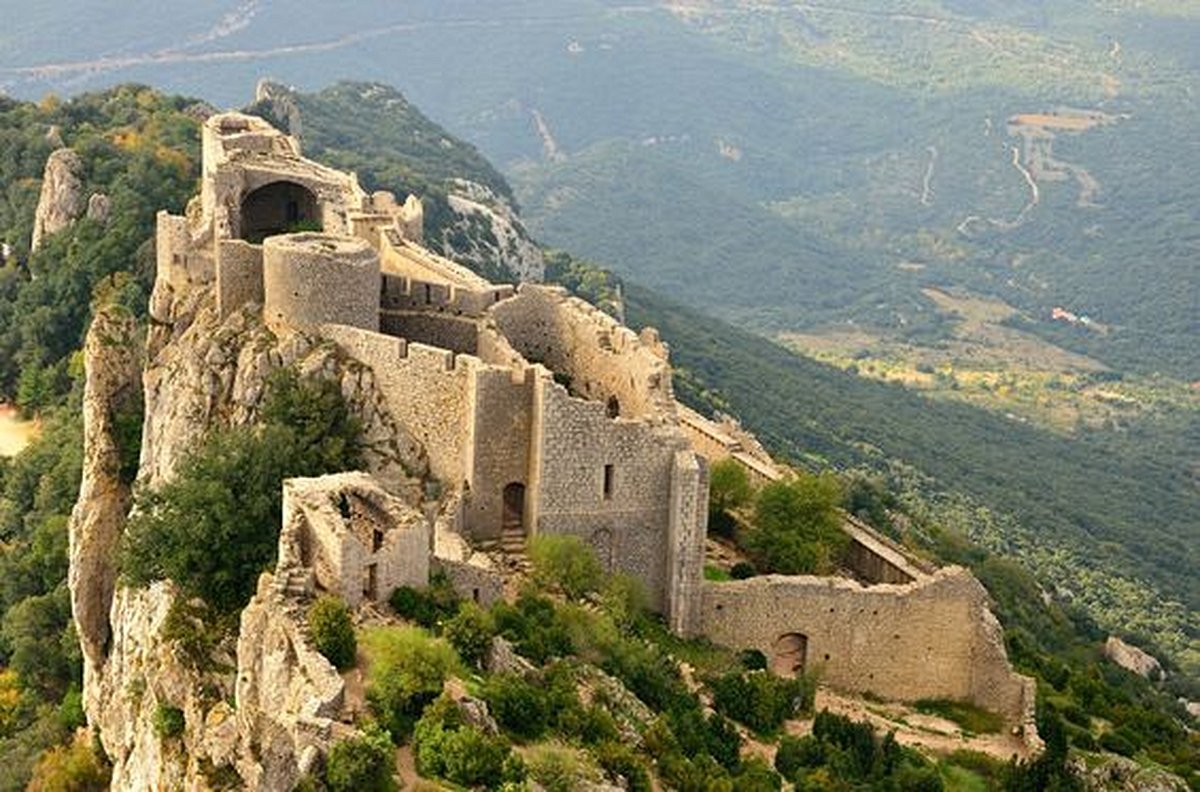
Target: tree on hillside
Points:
(797, 526)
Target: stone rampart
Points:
(425, 389)
(313, 279)
(412, 293)
(178, 264)
(595, 356)
(934, 638)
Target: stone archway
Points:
(278, 208)
(789, 654)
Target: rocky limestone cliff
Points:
(201, 372)
(1132, 658)
(488, 232)
(61, 200)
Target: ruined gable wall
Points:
(425, 389)
(600, 357)
(934, 638)
(573, 442)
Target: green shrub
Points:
(430, 606)
(797, 526)
(470, 632)
(728, 487)
(534, 626)
(742, 570)
(362, 764)
(520, 707)
(70, 768)
(407, 668)
(168, 721)
(565, 563)
(797, 755)
(445, 747)
(755, 775)
(761, 700)
(332, 631)
(621, 764)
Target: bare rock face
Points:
(61, 200)
(113, 356)
(1132, 658)
(289, 696)
(495, 234)
(200, 373)
(99, 208)
(1118, 773)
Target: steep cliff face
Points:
(200, 373)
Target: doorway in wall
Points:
(790, 654)
(512, 519)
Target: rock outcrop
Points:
(61, 200)
(111, 385)
(1132, 658)
(488, 233)
(201, 373)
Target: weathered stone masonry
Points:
(538, 414)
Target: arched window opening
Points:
(280, 207)
(614, 407)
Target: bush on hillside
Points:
(362, 764)
(332, 631)
(565, 563)
(797, 526)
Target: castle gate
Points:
(278, 208)
(789, 654)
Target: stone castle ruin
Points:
(538, 414)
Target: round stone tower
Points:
(311, 279)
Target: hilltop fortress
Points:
(525, 411)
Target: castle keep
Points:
(538, 414)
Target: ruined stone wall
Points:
(599, 358)
(574, 444)
(425, 389)
(935, 638)
(501, 433)
(312, 279)
(416, 293)
(178, 263)
(686, 532)
(456, 333)
(239, 275)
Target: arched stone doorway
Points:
(512, 520)
(278, 208)
(789, 654)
